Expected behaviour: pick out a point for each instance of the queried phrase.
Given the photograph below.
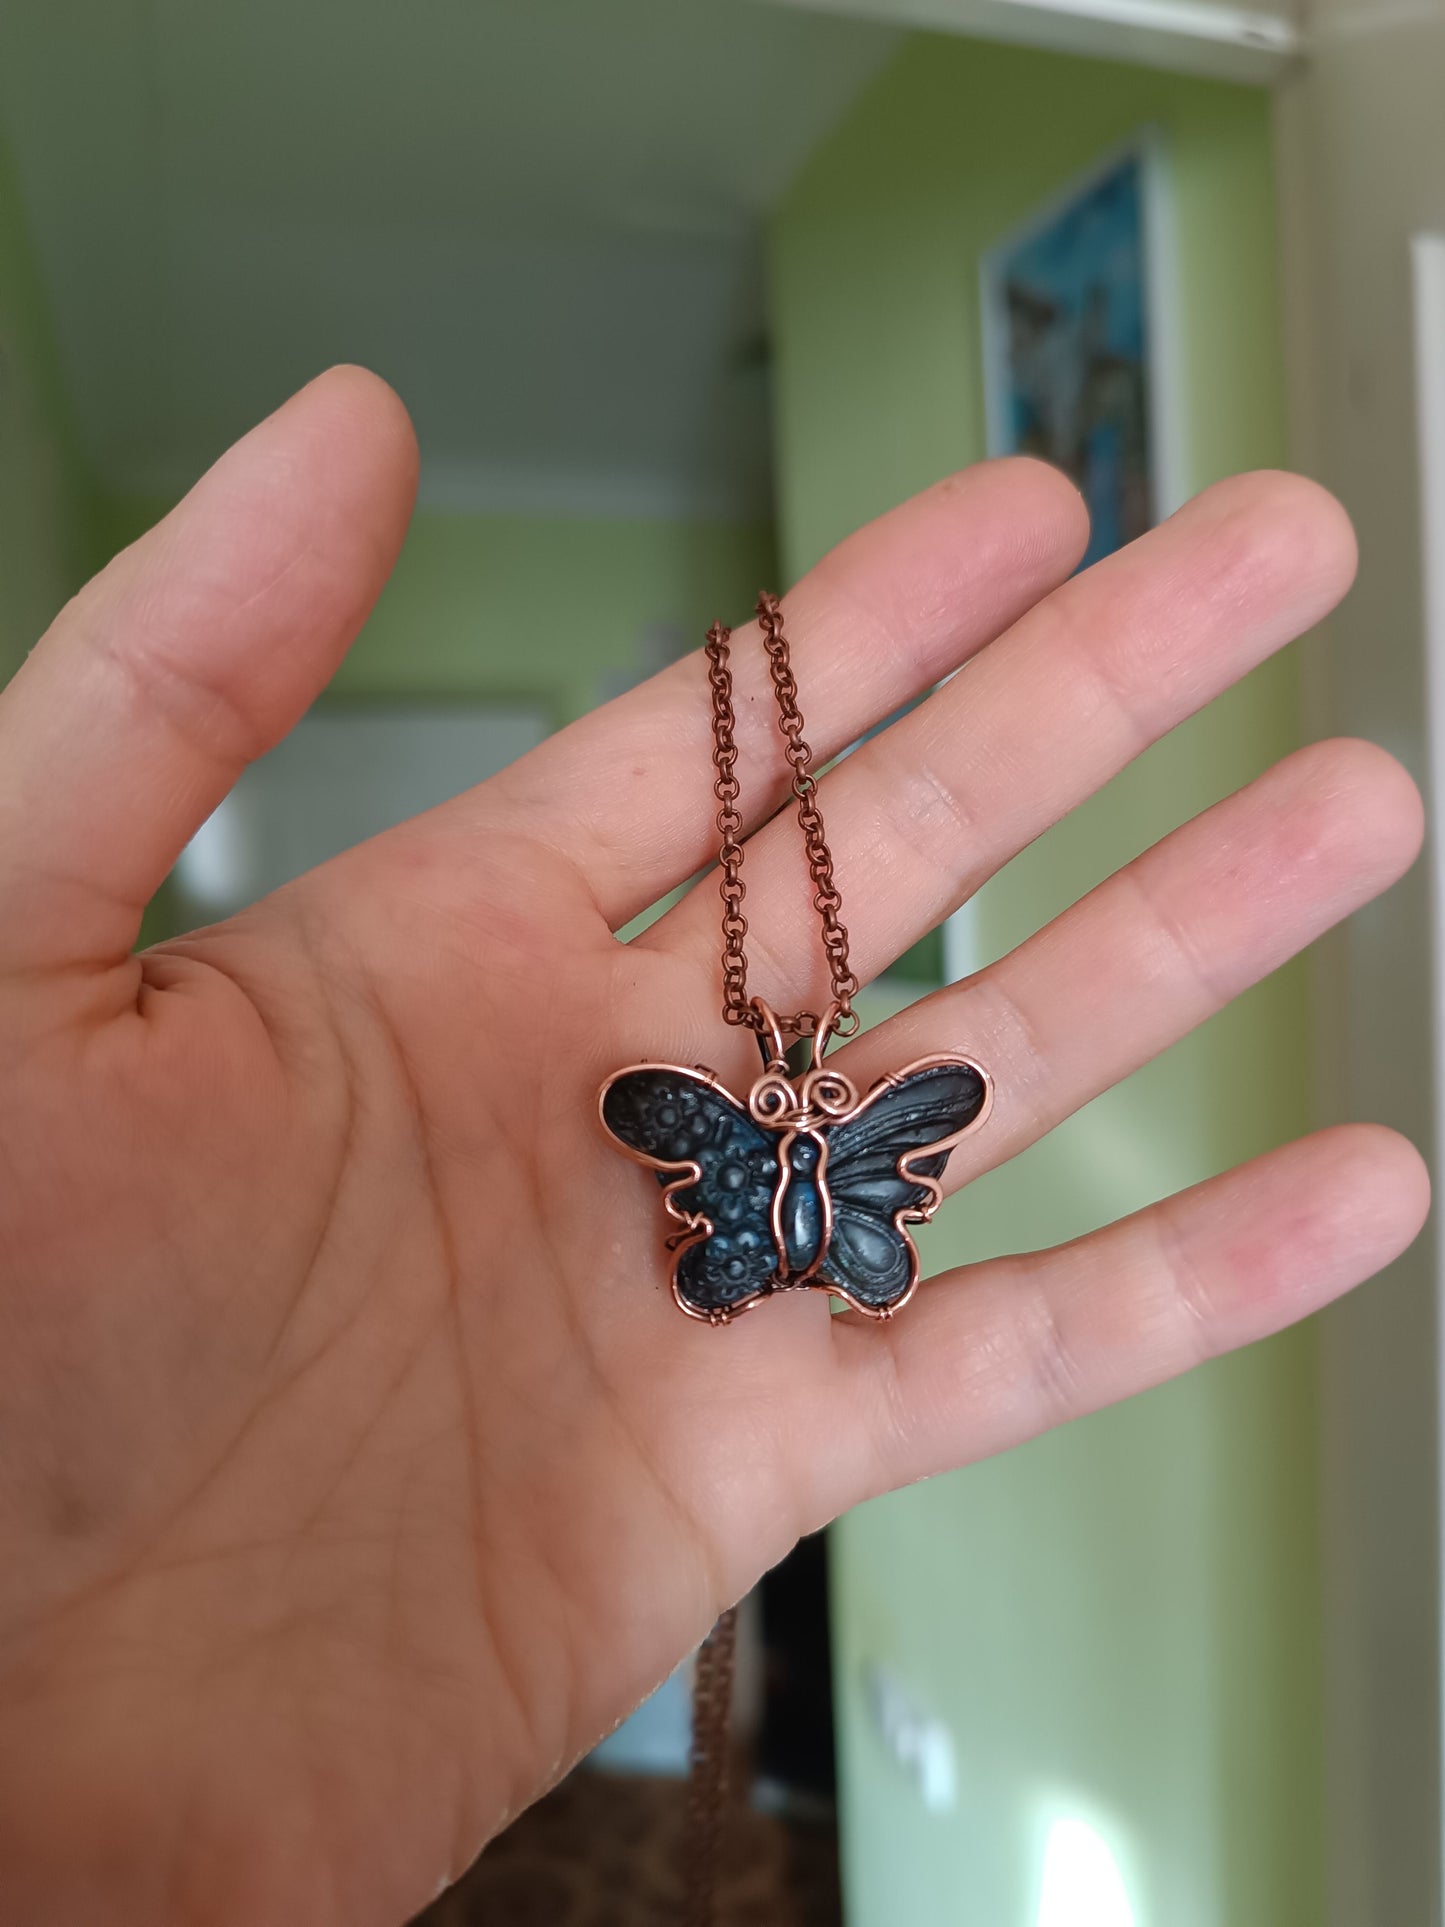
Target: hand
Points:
(356, 1469)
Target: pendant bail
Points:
(834, 1022)
(769, 1030)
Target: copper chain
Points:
(712, 1695)
(738, 1007)
(712, 1686)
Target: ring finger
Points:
(1163, 944)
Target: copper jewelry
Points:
(806, 1184)
(707, 1788)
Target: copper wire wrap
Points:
(738, 1007)
(712, 1695)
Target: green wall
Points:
(45, 504)
(568, 609)
(1117, 1623)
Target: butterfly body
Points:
(802, 1204)
(807, 1184)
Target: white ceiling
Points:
(541, 219)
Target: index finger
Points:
(879, 620)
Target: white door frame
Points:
(1216, 38)
(1428, 274)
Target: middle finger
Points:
(926, 811)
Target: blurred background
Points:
(678, 293)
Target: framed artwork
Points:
(1080, 347)
(1078, 336)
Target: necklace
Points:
(806, 1184)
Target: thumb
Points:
(190, 656)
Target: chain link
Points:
(712, 1694)
(738, 1007)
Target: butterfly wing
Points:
(883, 1168)
(719, 1171)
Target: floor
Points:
(605, 1850)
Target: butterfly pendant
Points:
(806, 1185)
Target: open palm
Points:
(356, 1468)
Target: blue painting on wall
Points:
(1067, 349)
